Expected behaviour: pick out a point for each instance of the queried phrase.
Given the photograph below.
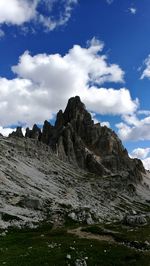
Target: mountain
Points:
(73, 170)
(76, 139)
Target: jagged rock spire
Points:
(34, 133)
(47, 133)
(74, 109)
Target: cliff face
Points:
(74, 169)
(76, 139)
(93, 147)
(36, 185)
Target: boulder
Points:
(134, 220)
(80, 262)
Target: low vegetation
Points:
(47, 246)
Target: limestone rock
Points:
(134, 220)
(80, 262)
(59, 120)
(91, 146)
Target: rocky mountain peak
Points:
(59, 120)
(76, 110)
(76, 139)
(92, 146)
(74, 163)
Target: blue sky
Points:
(51, 50)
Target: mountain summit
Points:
(76, 139)
(75, 169)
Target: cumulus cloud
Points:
(85, 64)
(146, 72)
(140, 153)
(143, 154)
(104, 123)
(6, 131)
(44, 83)
(22, 102)
(146, 163)
(110, 101)
(133, 128)
(18, 12)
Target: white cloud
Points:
(142, 154)
(45, 82)
(6, 131)
(105, 123)
(146, 163)
(134, 128)
(109, 101)
(84, 62)
(144, 112)
(93, 115)
(18, 12)
(51, 23)
(146, 72)
(22, 102)
(133, 10)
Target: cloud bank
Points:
(133, 128)
(43, 84)
(17, 12)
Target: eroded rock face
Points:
(91, 146)
(47, 133)
(134, 220)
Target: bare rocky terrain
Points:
(74, 170)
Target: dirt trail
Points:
(88, 235)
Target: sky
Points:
(51, 50)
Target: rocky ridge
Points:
(76, 139)
(74, 170)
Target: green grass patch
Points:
(135, 237)
(45, 246)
